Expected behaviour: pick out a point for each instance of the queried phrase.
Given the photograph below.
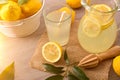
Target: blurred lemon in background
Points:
(31, 7)
(10, 11)
(75, 3)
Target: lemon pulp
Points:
(52, 52)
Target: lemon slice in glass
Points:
(91, 27)
(52, 52)
(102, 14)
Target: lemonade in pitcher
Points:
(97, 29)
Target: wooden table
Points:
(20, 50)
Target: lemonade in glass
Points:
(58, 24)
(97, 29)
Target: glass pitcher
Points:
(97, 30)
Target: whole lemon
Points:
(10, 11)
(116, 65)
(31, 7)
(74, 3)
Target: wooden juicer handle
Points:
(111, 53)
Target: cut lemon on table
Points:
(52, 52)
(116, 65)
(103, 15)
(91, 28)
(66, 9)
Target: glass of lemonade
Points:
(97, 29)
(58, 23)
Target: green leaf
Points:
(8, 73)
(66, 58)
(22, 1)
(79, 73)
(72, 77)
(55, 77)
(3, 1)
(52, 69)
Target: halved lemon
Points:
(52, 52)
(91, 27)
(103, 15)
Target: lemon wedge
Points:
(52, 52)
(66, 9)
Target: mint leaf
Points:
(66, 58)
(53, 69)
(55, 77)
(79, 73)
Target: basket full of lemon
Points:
(20, 18)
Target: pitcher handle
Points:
(85, 5)
(118, 4)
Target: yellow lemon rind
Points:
(59, 48)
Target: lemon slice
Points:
(52, 52)
(103, 15)
(91, 27)
(66, 9)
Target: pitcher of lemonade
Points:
(97, 30)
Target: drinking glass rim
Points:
(44, 14)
